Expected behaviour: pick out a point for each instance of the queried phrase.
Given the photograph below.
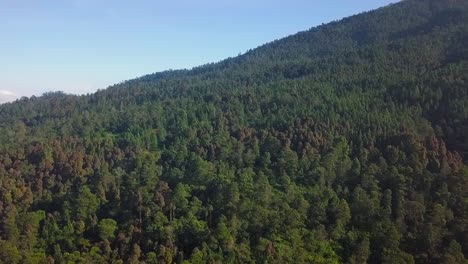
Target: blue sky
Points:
(79, 46)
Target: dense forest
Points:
(345, 143)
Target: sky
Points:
(79, 46)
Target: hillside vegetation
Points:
(345, 143)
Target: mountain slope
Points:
(343, 143)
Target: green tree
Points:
(107, 228)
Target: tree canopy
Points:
(345, 143)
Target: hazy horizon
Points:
(81, 46)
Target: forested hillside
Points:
(346, 143)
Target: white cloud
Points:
(7, 96)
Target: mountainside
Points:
(346, 143)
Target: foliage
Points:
(346, 143)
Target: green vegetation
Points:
(342, 144)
